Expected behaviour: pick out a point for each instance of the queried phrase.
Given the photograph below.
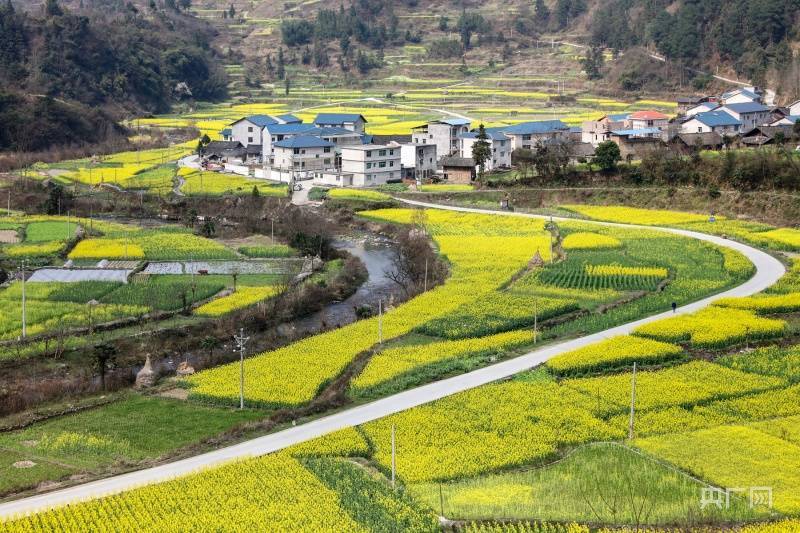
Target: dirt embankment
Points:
(773, 207)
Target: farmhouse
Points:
(702, 107)
(348, 121)
(764, 135)
(299, 157)
(598, 131)
(646, 120)
(741, 96)
(248, 130)
(527, 134)
(367, 165)
(689, 143)
(458, 169)
(418, 161)
(636, 143)
(499, 143)
(790, 120)
(443, 133)
(712, 121)
(750, 114)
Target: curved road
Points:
(768, 271)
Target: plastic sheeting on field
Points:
(61, 275)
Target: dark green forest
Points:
(751, 35)
(66, 76)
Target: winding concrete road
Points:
(768, 271)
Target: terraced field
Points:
(705, 413)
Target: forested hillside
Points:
(67, 74)
(753, 37)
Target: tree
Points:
(58, 200)
(281, 69)
(185, 4)
(593, 62)
(210, 343)
(796, 128)
(231, 12)
(506, 52)
(52, 9)
(287, 85)
(541, 14)
(344, 45)
(481, 150)
(104, 356)
(607, 155)
(443, 22)
(255, 192)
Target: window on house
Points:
(250, 129)
(327, 149)
(391, 152)
(382, 164)
(296, 151)
(250, 140)
(327, 161)
(526, 137)
(391, 163)
(381, 153)
(369, 153)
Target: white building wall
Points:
(246, 133)
(501, 152)
(371, 166)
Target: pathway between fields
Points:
(768, 271)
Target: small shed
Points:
(458, 169)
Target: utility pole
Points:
(633, 402)
(380, 321)
(24, 325)
(535, 320)
(272, 234)
(241, 340)
(394, 457)
(426, 275)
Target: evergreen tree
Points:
(541, 14)
(52, 9)
(607, 155)
(593, 63)
(281, 69)
(443, 22)
(481, 150)
(232, 12)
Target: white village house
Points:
(499, 144)
(712, 121)
(418, 161)
(443, 133)
(367, 165)
(750, 114)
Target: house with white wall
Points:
(741, 95)
(348, 121)
(789, 120)
(443, 133)
(248, 130)
(367, 165)
(418, 161)
(712, 121)
(703, 107)
(299, 157)
(499, 144)
(278, 132)
(599, 131)
(527, 134)
(647, 120)
(750, 114)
